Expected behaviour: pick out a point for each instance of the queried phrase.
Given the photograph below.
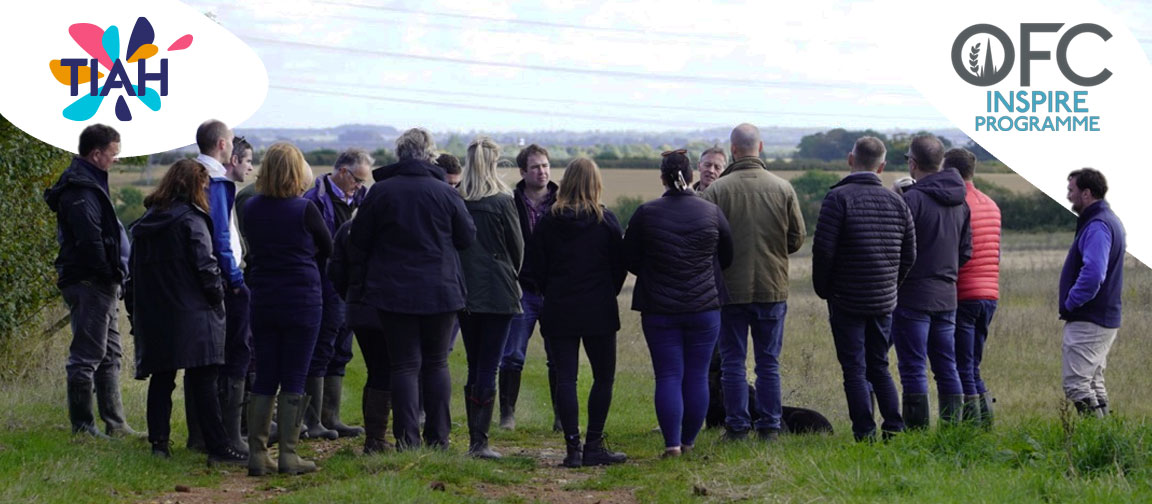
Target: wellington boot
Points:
(509, 389)
(313, 427)
(916, 414)
(291, 412)
(330, 413)
(596, 453)
(80, 409)
(112, 408)
(986, 413)
(970, 414)
(479, 421)
(259, 424)
(231, 406)
(575, 456)
(192, 416)
(377, 405)
(951, 408)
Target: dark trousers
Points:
(238, 335)
(94, 353)
(484, 335)
(681, 346)
(200, 383)
(418, 349)
(365, 322)
(765, 322)
(334, 342)
(601, 351)
(862, 346)
(284, 337)
(972, 321)
(922, 336)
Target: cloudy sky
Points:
(463, 65)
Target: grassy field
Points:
(1037, 452)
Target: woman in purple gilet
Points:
(287, 243)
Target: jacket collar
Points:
(864, 178)
(215, 169)
(745, 163)
(1092, 211)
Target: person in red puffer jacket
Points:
(977, 290)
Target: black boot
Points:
(595, 453)
(162, 449)
(192, 415)
(971, 414)
(1102, 407)
(330, 414)
(80, 409)
(509, 392)
(986, 413)
(1088, 407)
(951, 408)
(231, 411)
(112, 408)
(377, 404)
(916, 415)
(575, 457)
(313, 427)
(479, 420)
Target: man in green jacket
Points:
(764, 214)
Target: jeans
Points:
(418, 349)
(95, 349)
(681, 346)
(1084, 356)
(601, 351)
(238, 335)
(201, 387)
(972, 321)
(334, 341)
(484, 336)
(520, 331)
(284, 338)
(365, 322)
(926, 336)
(766, 322)
(862, 345)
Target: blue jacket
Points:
(319, 196)
(1092, 281)
(221, 198)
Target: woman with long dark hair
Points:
(490, 267)
(576, 262)
(175, 299)
(287, 244)
(676, 245)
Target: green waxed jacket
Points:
(764, 215)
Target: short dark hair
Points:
(868, 152)
(97, 136)
(522, 157)
(208, 133)
(450, 163)
(673, 167)
(239, 145)
(928, 152)
(1092, 180)
(963, 160)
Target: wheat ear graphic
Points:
(973, 58)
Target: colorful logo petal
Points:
(89, 37)
(181, 43)
(144, 52)
(142, 34)
(63, 74)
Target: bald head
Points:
(746, 141)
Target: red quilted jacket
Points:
(980, 277)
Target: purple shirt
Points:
(535, 211)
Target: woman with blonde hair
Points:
(490, 267)
(576, 262)
(287, 243)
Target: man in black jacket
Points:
(864, 246)
(924, 322)
(91, 267)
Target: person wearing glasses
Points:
(924, 322)
(336, 194)
(677, 245)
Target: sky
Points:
(461, 65)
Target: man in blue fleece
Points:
(1091, 285)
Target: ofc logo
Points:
(974, 55)
(103, 47)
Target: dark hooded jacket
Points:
(411, 226)
(576, 263)
(175, 291)
(864, 247)
(943, 241)
(677, 245)
(93, 244)
(491, 264)
(346, 272)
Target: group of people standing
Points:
(265, 288)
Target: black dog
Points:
(795, 420)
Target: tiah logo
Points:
(103, 46)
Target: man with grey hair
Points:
(414, 144)
(712, 162)
(337, 195)
(764, 213)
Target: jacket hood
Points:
(945, 186)
(154, 221)
(408, 167)
(571, 219)
(79, 174)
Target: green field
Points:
(1036, 453)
